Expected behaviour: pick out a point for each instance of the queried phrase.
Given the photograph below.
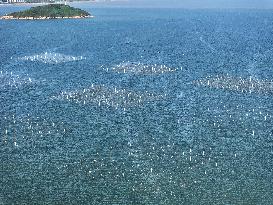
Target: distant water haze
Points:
(195, 4)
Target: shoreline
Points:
(46, 3)
(23, 4)
(43, 18)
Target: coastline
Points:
(24, 4)
(43, 18)
(44, 3)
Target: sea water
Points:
(137, 106)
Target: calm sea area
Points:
(137, 106)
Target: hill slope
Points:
(49, 11)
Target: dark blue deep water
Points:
(197, 143)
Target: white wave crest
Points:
(239, 84)
(139, 68)
(51, 58)
(109, 97)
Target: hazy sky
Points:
(204, 3)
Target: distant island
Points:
(51, 11)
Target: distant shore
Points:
(24, 4)
(43, 18)
(41, 4)
(95, 3)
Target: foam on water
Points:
(51, 58)
(139, 68)
(110, 97)
(238, 84)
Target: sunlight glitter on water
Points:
(9, 79)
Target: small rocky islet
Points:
(50, 11)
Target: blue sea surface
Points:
(82, 121)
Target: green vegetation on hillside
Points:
(50, 11)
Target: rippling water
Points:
(145, 106)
